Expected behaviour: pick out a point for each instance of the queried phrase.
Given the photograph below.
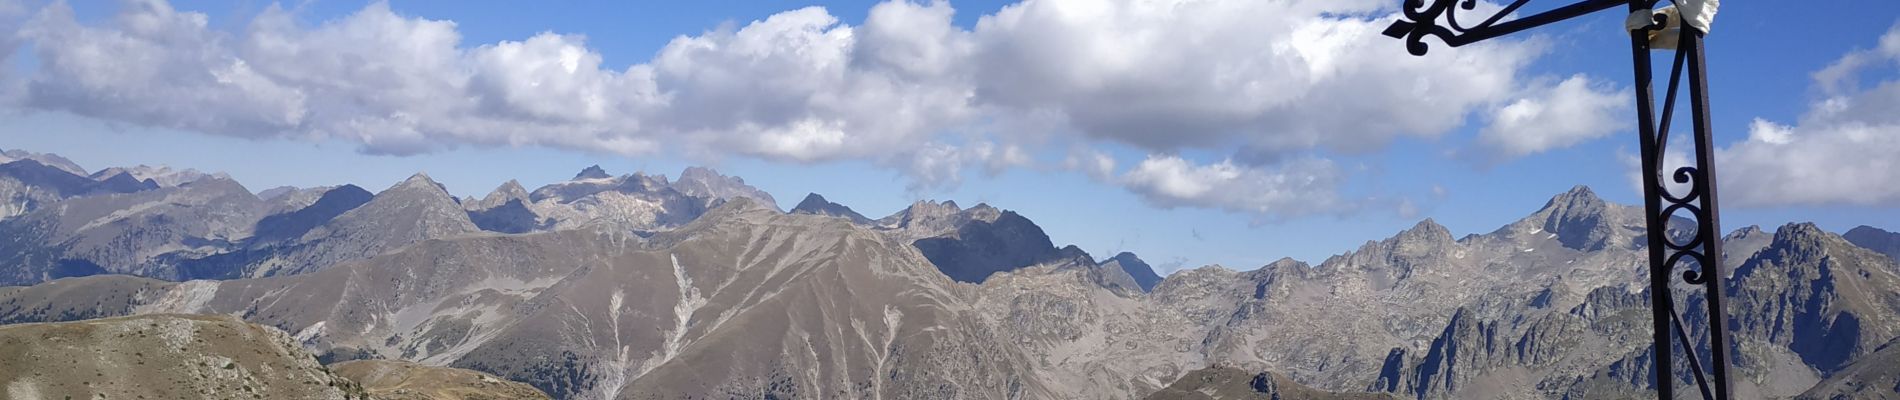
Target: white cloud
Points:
(1097, 164)
(1295, 188)
(1277, 77)
(906, 90)
(1554, 116)
(1842, 151)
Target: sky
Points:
(1190, 132)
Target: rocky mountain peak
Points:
(1427, 231)
(706, 183)
(592, 172)
(1143, 274)
(973, 249)
(1582, 221)
(47, 159)
(815, 204)
(509, 191)
(1829, 300)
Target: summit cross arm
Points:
(1681, 27)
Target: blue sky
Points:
(1353, 178)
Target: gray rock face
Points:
(1582, 221)
(705, 183)
(979, 247)
(1825, 299)
(633, 202)
(1875, 239)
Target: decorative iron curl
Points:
(1421, 20)
(1698, 275)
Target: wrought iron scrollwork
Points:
(1421, 20)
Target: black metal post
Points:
(1662, 307)
(1714, 277)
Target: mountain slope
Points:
(397, 380)
(745, 300)
(162, 356)
(414, 210)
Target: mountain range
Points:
(637, 287)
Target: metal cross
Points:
(1698, 254)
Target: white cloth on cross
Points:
(1698, 14)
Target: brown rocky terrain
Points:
(163, 356)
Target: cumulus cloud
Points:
(1276, 77)
(906, 89)
(1840, 152)
(1554, 116)
(1293, 188)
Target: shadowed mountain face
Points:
(1137, 269)
(1872, 238)
(979, 247)
(293, 225)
